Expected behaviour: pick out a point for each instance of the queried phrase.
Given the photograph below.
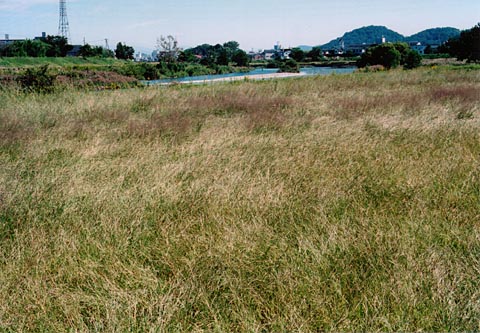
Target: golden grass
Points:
(338, 203)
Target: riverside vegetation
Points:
(339, 203)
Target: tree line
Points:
(228, 53)
(390, 55)
(464, 47)
(57, 46)
(49, 46)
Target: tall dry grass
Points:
(340, 203)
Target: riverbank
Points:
(256, 74)
(325, 63)
(231, 78)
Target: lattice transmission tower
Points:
(63, 28)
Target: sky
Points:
(254, 24)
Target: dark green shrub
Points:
(37, 80)
(288, 66)
(413, 59)
(150, 72)
(385, 54)
(272, 64)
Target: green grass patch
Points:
(61, 62)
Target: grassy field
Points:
(339, 203)
(61, 62)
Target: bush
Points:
(385, 54)
(413, 59)
(288, 66)
(37, 80)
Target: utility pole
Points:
(63, 27)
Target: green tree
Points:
(36, 48)
(297, 54)
(404, 50)
(315, 54)
(187, 56)
(383, 54)
(231, 47)
(466, 46)
(16, 49)
(26, 48)
(240, 57)
(106, 53)
(287, 66)
(59, 46)
(413, 59)
(86, 51)
(223, 57)
(123, 51)
(95, 51)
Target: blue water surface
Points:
(258, 71)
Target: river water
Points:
(258, 71)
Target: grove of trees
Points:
(466, 46)
(57, 46)
(391, 55)
(123, 51)
(95, 51)
(216, 55)
(50, 46)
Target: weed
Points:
(465, 114)
(37, 80)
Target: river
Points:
(258, 72)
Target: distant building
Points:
(276, 53)
(357, 49)
(256, 56)
(8, 41)
(75, 51)
(285, 54)
(44, 36)
(417, 46)
(144, 57)
(269, 54)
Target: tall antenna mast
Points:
(63, 28)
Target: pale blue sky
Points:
(254, 24)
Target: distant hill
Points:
(373, 34)
(434, 36)
(369, 35)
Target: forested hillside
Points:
(434, 36)
(373, 34)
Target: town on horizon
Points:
(354, 43)
(197, 22)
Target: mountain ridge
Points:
(373, 34)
